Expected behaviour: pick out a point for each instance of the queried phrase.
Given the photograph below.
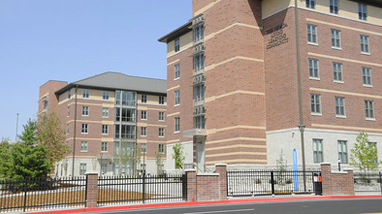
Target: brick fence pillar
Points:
(350, 181)
(92, 189)
(221, 169)
(337, 182)
(191, 185)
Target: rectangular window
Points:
(67, 128)
(199, 93)
(336, 38)
(177, 97)
(334, 6)
(374, 145)
(143, 147)
(312, 34)
(366, 76)
(337, 72)
(105, 95)
(161, 148)
(177, 44)
(144, 131)
(104, 146)
(84, 146)
(85, 93)
(315, 103)
(161, 132)
(362, 12)
(82, 168)
(317, 151)
(161, 116)
(364, 44)
(199, 122)
(46, 102)
(68, 111)
(105, 112)
(199, 63)
(144, 98)
(105, 129)
(177, 71)
(313, 69)
(125, 132)
(125, 98)
(85, 110)
(340, 106)
(342, 152)
(369, 109)
(143, 115)
(125, 115)
(69, 94)
(84, 128)
(161, 100)
(198, 32)
(310, 4)
(177, 124)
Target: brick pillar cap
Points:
(91, 173)
(325, 163)
(190, 170)
(221, 164)
(348, 169)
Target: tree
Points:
(51, 135)
(5, 158)
(178, 156)
(364, 155)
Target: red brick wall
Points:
(336, 183)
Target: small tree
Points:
(178, 156)
(364, 155)
(5, 158)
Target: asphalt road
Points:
(332, 206)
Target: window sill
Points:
(337, 81)
(105, 134)
(368, 86)
(85, 115)
(103, 151)
(176, 78)
(176, 105)
(341, 116)
(314, 78)
(337, 48)
(83, 151)
(143, 119)
(161, 136)
(312, 43)
(161, 121)
(370, 119)
(177, 132)
(143, 135)
(316, 114)
(84, 133)
(366, 53)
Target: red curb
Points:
(180, 204)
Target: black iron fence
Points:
(368, 183)
(260, 182)
(21, 195)
(145, 189)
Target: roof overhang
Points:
(377, 3)
(176, 33)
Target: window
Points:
(69, 94)
(337, 72)
(340, 106)
(84, 128)
(366, 76)
(199, 63)
(315, 103)
(143, 115)
(84, 146)
(362, 12)
(374, 145)
(334, 6)
(369, 109)
(104, 146)
(105, 129)
(125, 132)
(342, 152)
(199, 122)
(68, 111)
(177, 71)
(177, 97)
(161, 132)
(198, 94)
(199, 32)
(161, 148)
(313, 69)
(67, 128)
(317, 151)
(125, 115)
(105, 95)
(177, 124)
(177, 44)
(161, 116)
(85, 93)
(46, 102)
(312, 34)
(144, 98)
(125, 98)
(364, 44)
(310, 4)
(143, 147)
(336, 38)
(85, 110)
(105, 112)
(143, 131)
(82, 168)
(161, 100)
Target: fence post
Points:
(143, 187)
(25, 194)
(221, 168)
(184, 187)
(91, 189)
(380, 181)
(272, 183)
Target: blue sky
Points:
(68, 40)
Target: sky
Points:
(69, 40)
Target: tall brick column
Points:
(92, 189)
(191, 185)
(221, 169)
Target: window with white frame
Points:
(342, 151)
(313, 69)
(374, 146)
(310, 4)
(161, 100)
(84, 128)
(177, 44)
(340, 106)
(312, 34)
(84, 146)
(177, 71)
(143, 147)
(362, 11)
(85, 110)
(143, 131)
(366, 76)
(67, 128)
(177, 124)
(105, 95)
(161, 132)
(161, 148)
(334, 6)
(104, 146)
(46, 102)
(69, 93)
(364, 44)
(143, 115)
(337, 72)
(105, 129)
(336, 38)
(105, 112)
(144, 98)
(68, 111)
(315, 103)
(369, 109)
(317, 151)
(177, 97)
(82, 168)
(199, 63)
(85, 93)
(198, 32)
(161, 116)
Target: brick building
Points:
(114, 123)
(249, 81)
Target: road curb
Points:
(180, 204)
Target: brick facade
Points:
(336, 183)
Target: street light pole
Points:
(302, 128)
(17, 126)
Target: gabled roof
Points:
(119, 81)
